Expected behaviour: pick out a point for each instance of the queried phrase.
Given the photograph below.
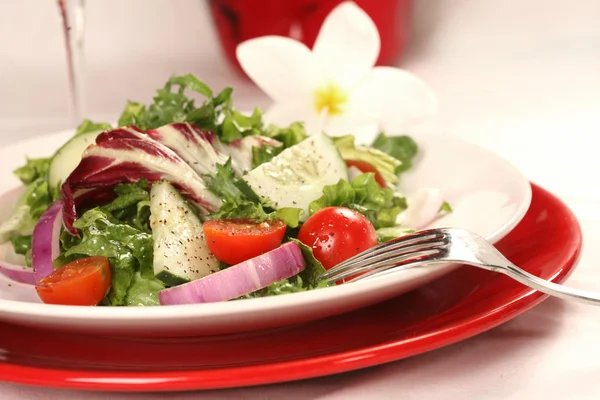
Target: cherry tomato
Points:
(336, 234)
(367, 167)
(235, 240)
(83, 282)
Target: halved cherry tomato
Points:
(83, 282)
(336, 234)
(235, 240)
(367, 167)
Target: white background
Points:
(521, 78)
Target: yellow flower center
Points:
(330, 99)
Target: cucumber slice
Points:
(180, 251)
(67, 158)
(298, 174)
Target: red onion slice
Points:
(17, 273)
(45, 246)
(238, 280)
(12, 265)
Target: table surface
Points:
(520, 78)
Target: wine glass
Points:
(73, 19)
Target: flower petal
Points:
(348, 45)
(283, 68)
(364, 131)
(283, 114)
(393, 97)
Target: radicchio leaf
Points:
(126, 155)
(192, 144)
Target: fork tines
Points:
(399, 253)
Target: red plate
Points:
(459, 305)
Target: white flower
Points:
(335, 87)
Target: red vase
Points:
(240, 20)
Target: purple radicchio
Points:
(126, 155)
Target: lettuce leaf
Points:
(143, 291)
(288, 136)
(264, 154)
(237, 125)
(132, 205)
(171, 104)
(20, 223)
(380, 205)
(385, 164)
(314, 269)
(284, 286)
(32, 203)
(21, 243)
(127, 249)
(403, 148)
(168, 105)
(392, 232)
(88, 126)
(34, 168)
(120, 231)
(445, 207)
(237, 204)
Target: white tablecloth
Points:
(520, 78)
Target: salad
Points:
(183, 203)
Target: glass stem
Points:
(73, 15)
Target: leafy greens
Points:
(119, 231)
(379, 205)
(236, 204)
(402, 148)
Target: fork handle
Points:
(547, 287)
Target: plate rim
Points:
(311, 367)
(16, 308)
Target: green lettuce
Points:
(39, 196)
(34, 169)
(392, 232)
(143, 291)
(288, 136)
(284, 286)
(120, 231)
(385, 164)
(88, 126)
(132, 205)
(445, 207)
(402, 148)
(237, 125)
(171, 104)
(19, 224)
(127, 248)
(264, 154)
(314, 269)
(21, 243)
(380, 205)
(32, 203)
(236, 204)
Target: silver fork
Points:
(445, 246)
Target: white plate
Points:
(489, 196)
